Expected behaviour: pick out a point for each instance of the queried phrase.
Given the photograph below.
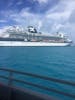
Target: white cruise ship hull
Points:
(17, 43)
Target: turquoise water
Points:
(58, 62)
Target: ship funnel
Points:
(31, 29)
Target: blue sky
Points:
(47, 15)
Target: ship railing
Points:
(51, 79)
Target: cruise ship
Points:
(16, 36)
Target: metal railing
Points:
(11, 79)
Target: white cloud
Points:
(56, 19)
(26, 18)
(41, 1)
(60, 15)
(62, 11)
(3, 29)
(57, 16)
(19, 2)
(40, 24)
(3, 21)
(10, 3)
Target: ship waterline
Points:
(15, 43)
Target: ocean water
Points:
(57, 62)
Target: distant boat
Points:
(15, 36)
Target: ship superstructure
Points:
(16, 36)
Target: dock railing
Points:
(11, 79)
